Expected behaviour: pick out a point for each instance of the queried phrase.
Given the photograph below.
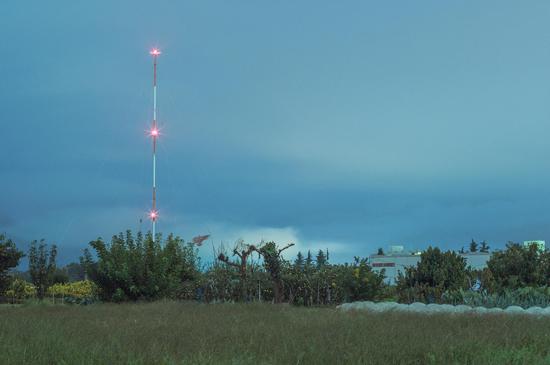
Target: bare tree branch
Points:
(225, 259)
(284, 248)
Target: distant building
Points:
(396, 260)
(540, 244)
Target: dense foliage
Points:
(19, 290)
(84, 291)
(42, 267)
(306, 281)
(525, 297)
(436, 273)
(518, 275)
(9, 258)
(142, 268)
(139, 268)
(519, 266)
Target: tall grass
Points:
(189, 333)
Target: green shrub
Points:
(20, 290)
(141, 268)
(76, 292)
(523, 297)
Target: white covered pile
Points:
(439, 308)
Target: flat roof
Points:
(411, 255)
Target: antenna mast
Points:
(154, 133)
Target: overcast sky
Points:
(347, 125)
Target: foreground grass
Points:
(188, 333)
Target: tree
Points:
(138, 267)
(60, 276)
(380, 251)
(309, 261)
(242, 251)
(361, 283)
(435, 273)
(321, 259)
(89, 267)
(473, 246)
(42, 266)
(322, 276)
(484, 247)
(518, 266)
(273, 264)
(299, 262)
(9, 258)
(75, 271)
(444, 269)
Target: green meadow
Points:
(168, 332)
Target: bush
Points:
(76, 292)
(519, 266)
(20, 290)
(420, 293)
(361, 283)
(436, 273)
(141, 268)
(523, 297)
(9, 258)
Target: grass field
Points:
(188, 333)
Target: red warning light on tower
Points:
(153, 215)
(155, 52)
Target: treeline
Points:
(42, 272)
(136, 267)
(517, 275)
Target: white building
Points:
(397, 260)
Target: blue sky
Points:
(341, 125)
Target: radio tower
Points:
(154, 133)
